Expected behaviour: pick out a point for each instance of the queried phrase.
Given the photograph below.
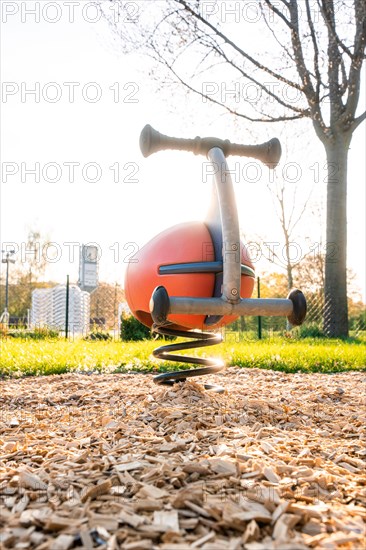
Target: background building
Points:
(49, 308)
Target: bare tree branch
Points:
(356, 64)
(336, 104)
(263, 87)
(228, 109)
(316, 51)
(282, 46)
(299, 55)
(292, 209)
(227, 40)
(357, 121)
(344, 85)
(332, 30)
(304, 74)
(301, 213)
(279, 14)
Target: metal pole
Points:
(230, 227)
(67, 308)
(278, 307)
(115, 306)
(259, 317)
(4, 318)
(7, 283)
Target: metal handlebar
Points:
(152, 141)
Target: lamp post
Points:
(8, 259)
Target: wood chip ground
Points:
(116, 462)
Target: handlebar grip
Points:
(152, 141)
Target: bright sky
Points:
(150, 194)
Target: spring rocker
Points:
(197, 277)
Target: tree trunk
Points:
(290, 279)
(335, 288)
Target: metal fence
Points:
(45, 305)
(108, 301)
(267, 327)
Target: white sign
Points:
(88, 269)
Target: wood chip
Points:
(131, 519)
(270, 475)
(86, 539)
(220, 466)
(14, 422)
(96, 490)
(10, 446)
(166, 520)
(282, 526)
(252, 532)
(147, 505)
(62, 542)
(31, 481)
(150, 491)
(202, 540)
(129, 466)
(196, 467)
(113, 461)
(142, 544)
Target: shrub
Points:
(311, 330)
(358, 322)
(132, 330)
(3, 330)
(39, 333)
(98, 336)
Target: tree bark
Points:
(290, 279)
(335, 292)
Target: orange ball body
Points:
(183, 243)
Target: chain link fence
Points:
(43, 305)
(267, 327)
(107, 304)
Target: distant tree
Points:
(273, 285)
(25, 274)
(34, 259)
(310, 273)
(104, 303)
(288, 214)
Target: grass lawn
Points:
(19, 357)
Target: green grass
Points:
(27, 357)
(310, 355)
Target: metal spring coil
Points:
(201, 339)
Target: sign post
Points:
(67, 308)
(88, 267)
